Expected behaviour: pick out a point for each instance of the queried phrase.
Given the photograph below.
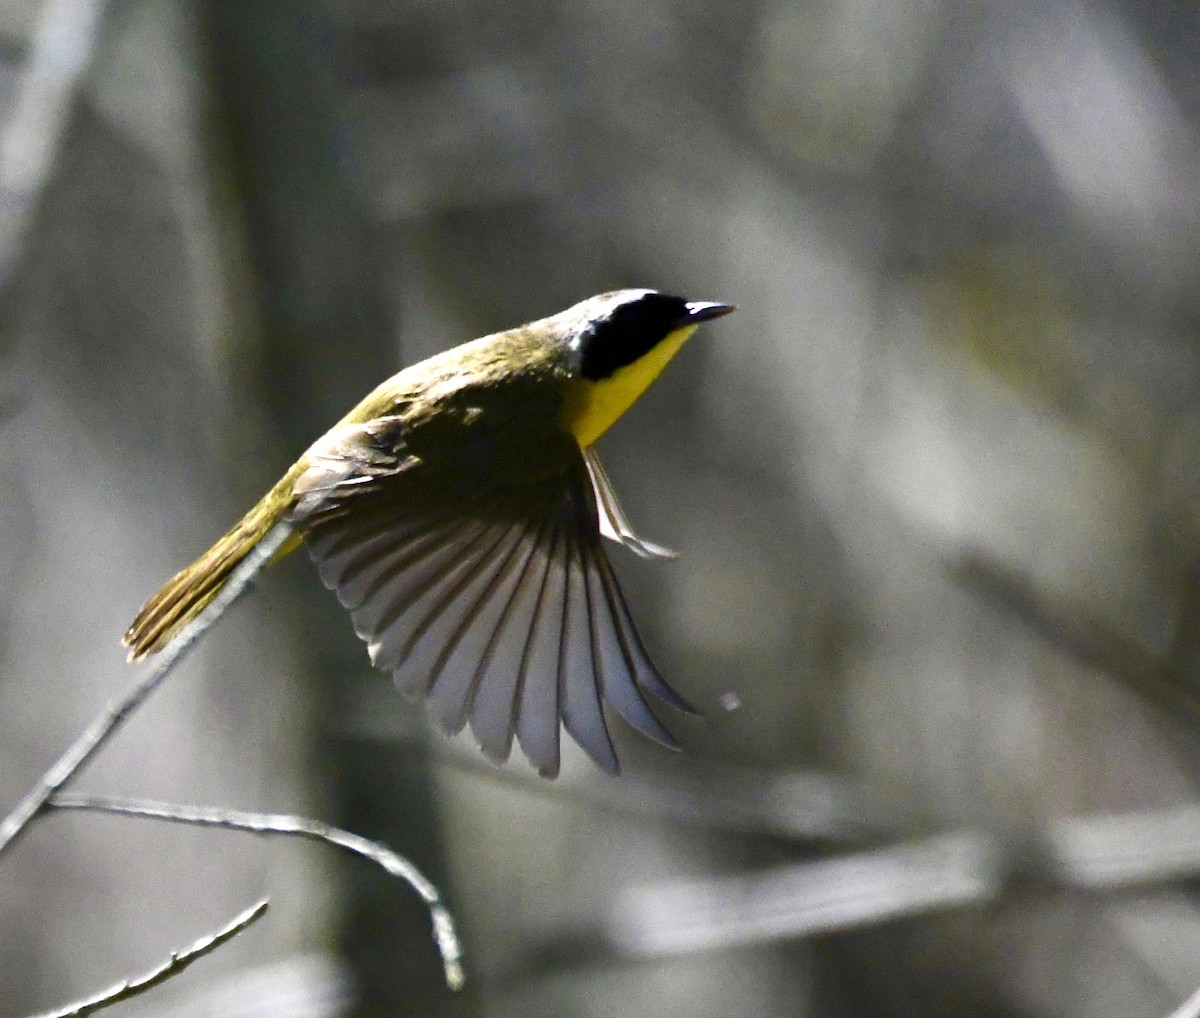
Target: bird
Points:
(457, 514)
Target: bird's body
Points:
(456, 511)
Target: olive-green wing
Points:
(490, 598)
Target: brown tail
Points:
(184, 596)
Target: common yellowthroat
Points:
(457, 513)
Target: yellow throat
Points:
(593, 407)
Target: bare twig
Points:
(176, 963)
(444, 934)
(119, 710)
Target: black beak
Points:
(703, 310)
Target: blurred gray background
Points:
(936, 490)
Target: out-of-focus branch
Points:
(1126, 849)
(806, 898)
(1190, 1008)
(117, 712)
(953, 870)
(176, 963)
(1089, 640)
(804, 806)
(444, 934)
(59, 54)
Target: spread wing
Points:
(491, 600)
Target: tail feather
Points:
(186, 594)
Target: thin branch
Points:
(119, 710)
(176, 963)
(444, 934)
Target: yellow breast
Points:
(593, 407)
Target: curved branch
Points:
(444, 934)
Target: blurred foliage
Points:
(935, 489)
